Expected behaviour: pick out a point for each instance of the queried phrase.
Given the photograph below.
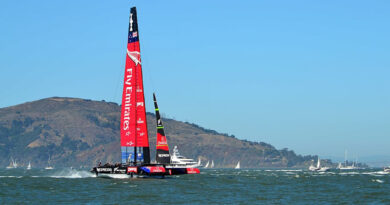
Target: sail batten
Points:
(134, 135)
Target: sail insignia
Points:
(135, 56)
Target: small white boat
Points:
(207, 164)
(312, 167)
(199, 163)
(212, 164)
(238, 165)
(345, 166)
(29, 166)
(318, 168)
(324, 169)
(49, 167)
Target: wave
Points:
(11, 177)
(378, 180)
(283, 170)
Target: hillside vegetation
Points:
(77, 132)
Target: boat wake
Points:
(115, 176)
(72, 174)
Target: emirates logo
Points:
(135, 56)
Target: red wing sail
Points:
(134, 135)
(162, 154)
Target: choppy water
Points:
(218, 186)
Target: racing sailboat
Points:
(135, 153)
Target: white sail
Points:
(12, 164)
(318, 163)
(212, 164)
(199, 162)
(346, 166)
(29, 165)
(318, 168)
(207, 164)
(238, 165)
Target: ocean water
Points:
(212, 186)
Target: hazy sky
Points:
(312, 76)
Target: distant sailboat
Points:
(238, 165)
(212, 164)
(318, 168)
(12, 164)
(346, 166)
(207, 164)
(29, 166)
(199, 162)
(48, 164)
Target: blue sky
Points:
(312, 76)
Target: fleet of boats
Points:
(12, 164)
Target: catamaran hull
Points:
(141, 171)
(182, 170)
(130, 171)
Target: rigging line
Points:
(119, 83)
(149, 76)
